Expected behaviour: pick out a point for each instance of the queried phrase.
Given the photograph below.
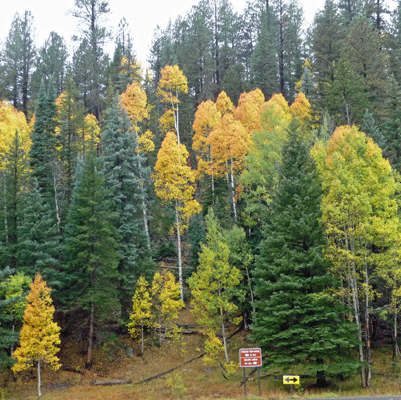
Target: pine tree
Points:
(42, 153)
(92, 249)
(19, 57)
(40, 334)
(295, 322)
(39, 249)
(125, 174)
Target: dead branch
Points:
(110, 383)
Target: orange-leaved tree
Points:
(248, 110)
(175, 183)
(40, 335)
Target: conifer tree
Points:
(295, 322)
(39, 249)
(125, 173)
(92, 249)
(39, 334)
(42, 153)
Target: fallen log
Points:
(170, 370)
(71, 369)
(110, 383)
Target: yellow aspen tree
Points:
(12, 121)
(175, 183)
(301, 110)
(263, 157)
(141, 316)
(90, 133)
(40, 335)
(171, 84)
(359, 215)
(166, 304)
(229, 142)
(214, 286)
(224, 104)
(248, 110)
(206, 118)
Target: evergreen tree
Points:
(92, 249)
(18, 60)
(39, 249)
(51, 62)
(91, 15)
(121, 164)
(42, 155)
(294, 321)
(264, 67)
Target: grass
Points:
(191, 381)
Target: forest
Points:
(250, 174)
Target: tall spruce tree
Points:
(121, 164)
(92, 249)
(39, 249)
(294, 321)
(42, 155)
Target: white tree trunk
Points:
(180, 280)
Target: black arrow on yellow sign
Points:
(291, 380)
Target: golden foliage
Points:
(11, 123)
(40, 335)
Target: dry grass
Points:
(192, 381)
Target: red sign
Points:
(250, 357)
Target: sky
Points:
(142, 17)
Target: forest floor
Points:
(115, 362)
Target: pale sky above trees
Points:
(143, 18)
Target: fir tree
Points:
(294, 321)
(39, 249)
(42, 156)
(92, 249)
(121, 163)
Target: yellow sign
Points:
(291, 379)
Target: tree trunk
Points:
(179, 254)
(321, 377)
(396, 353)
(90, 338)
(367, 328)
(223, 330)
(39, 379)
(233, 192)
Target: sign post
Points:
(250, 358)
(291, 380)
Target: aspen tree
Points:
(40, 335)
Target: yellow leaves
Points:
(141, 308)
(135, 102)
(39, 335)
(167, 121)
(11, 122)
(145, 142)
(174, 179)
(301, 109)
(228, 141)
(224, 104)
(91, 131)
(248, 110)
(172, 82)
